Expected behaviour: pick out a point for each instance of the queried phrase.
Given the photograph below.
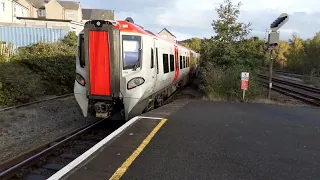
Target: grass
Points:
(1, 120)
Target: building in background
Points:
(53, 9)
(31, 18)
(165, 33)
(10, 10)
(102, 14)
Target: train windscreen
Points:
(131, 46)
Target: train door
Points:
(154, 64)
(80, 91)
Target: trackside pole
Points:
(273, 43)
(243, 94)
(270, 73)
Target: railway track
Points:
(47, 159)
(35, 102)
(297, 90)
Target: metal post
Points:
(270, 72)
(243, 94)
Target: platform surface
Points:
(217, 140)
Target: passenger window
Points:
(171, 62)
(157, 60)
(184, 61)
(165, 63)
(81, 51)
(181, 62)
(187, 61)
(152, 59)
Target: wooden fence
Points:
(7, 50)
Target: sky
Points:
(189, 18)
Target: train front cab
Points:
(97, 86)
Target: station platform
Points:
(196, 139)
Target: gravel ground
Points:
(28, 127)
(281, 99)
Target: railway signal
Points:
(279, 22)
(273, 42)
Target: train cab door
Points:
(154, 65)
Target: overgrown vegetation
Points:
(300, 56)
(227, 54)
(38, 70)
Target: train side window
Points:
(165, 63)
(180, 62)
(171, 62)
(152, 59)
(188, 62)
(184, 61)
(157, 60)
(81, 51)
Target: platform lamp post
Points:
(273, 43)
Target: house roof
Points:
(15, 1)
(36, 3)
(165, 29)
(66, 4)
(88, 14)
(70, 4)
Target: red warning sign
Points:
(244, 85)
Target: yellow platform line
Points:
(120, 171)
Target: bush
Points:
(228, 53)
(38, 70)
(55, 62)
(225, 84)
(70, 39)
(18, 84)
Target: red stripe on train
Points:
(99, 63)
(176, 75)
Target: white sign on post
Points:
(244, 76)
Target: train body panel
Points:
(123, 70)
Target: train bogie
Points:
(122, 70)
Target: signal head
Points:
(280, 21)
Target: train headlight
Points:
(80, 79)
(137, 81)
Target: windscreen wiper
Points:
(136, 65)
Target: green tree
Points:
(228, 53)
(296, 53)
(226, 27)
(281, 53)
(311, 62)
(70, 39)
(193, 43)
(230, 45)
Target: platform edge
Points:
(73, 164)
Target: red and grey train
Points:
(123, 70)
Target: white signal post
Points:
(273, 43)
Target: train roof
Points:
(126, 26)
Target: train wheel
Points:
(159, 101)
(150, 106)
